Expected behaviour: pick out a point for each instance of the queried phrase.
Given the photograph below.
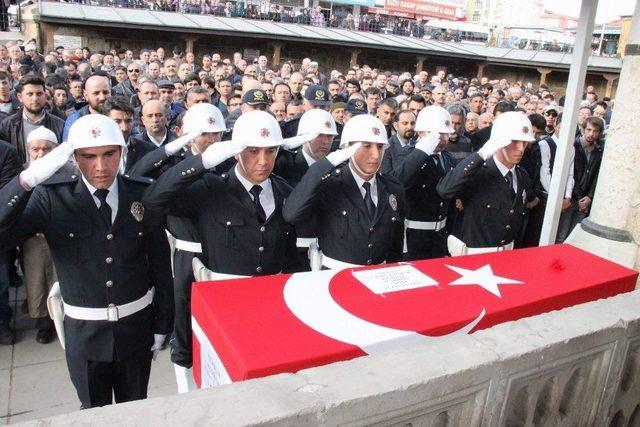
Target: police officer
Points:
(419, 172)
(493, 188)
(313, 142)
(315, 97)
(203, 124)
(359, 211)
(110, 255)
(239, 215)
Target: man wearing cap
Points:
(239, 214)
(314, 97)
(550, 113)
(420, 171)
(253, 99)
(354, 107)
(203, 125)
(111, 256)
(360, 213)
(16, 128)
(493, 189)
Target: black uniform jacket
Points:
(233, 242)
(395, 154)
(420, 175)
(291, 165)
(493, 216)
(96, 265)
(136, 149)
(345, 232)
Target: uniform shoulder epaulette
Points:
(138, 179)
(62, 178)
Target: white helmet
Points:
(317, 121)
(434, 119)
(257, 129)
(512, 125)
(204, 117)
(95, 130)
(364, 128)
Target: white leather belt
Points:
(304, 242)
(112, 313)
(334, 264)
(473, 251)
(187, 246)
(425, 225)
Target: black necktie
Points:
(438, 160)
(509, 178)
(255, 192)
(104, 209)
(368, 201)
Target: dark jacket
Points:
(585, 172)
(10, 164)
(233, 241)
(80, 242)
(493, 216)
(480, 137)
(11, 131)
(136, 149)
(395, 154)
(345, 232)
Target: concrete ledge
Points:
(565, 367)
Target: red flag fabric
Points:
(254, 327)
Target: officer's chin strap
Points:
(506, 156)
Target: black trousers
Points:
(98, 382)
(425, 244)
(181, 344)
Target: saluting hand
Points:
(174, 146)
(43, 168)
(298, 141)
(340, 156)
(492, 146)
(429, 143)
(221, 151)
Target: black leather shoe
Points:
(44, 336)
(7, 337)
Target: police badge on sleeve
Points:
(137, 210)
(393, 202)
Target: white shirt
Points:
(545, 169)
(310, 160)
(360, 181)
(112, 196)
(503, 170)
(155, 141)
(267, 200)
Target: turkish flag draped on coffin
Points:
(254, 327)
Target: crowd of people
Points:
(105, 154)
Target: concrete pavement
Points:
(34, 381)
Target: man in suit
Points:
(154, 118)
(401, 144)
(420, 172)
(360, 212)
(111, 256)
(10, 166)
(493, 189)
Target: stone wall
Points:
(578, 366)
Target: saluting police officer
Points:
(203, 125)
(493, 188)
(360, 213)
(239, 215)
(420, 171)
(313, 142)
(110, 255)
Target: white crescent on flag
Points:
(312, 303)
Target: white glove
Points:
(158, 340)
(492, 146)
(297, 141)
(43, 168)
(174, 146)
(428, 143)
(340, 156)
(219, 152)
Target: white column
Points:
(613, 226)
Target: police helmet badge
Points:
(393, 202)
(95, 132)
(375, 131)
(211, 120)
(319, 95)
(359, 105)
(447, 122)
(525, 129)
(327, 125)
(264, 132)
(137, 210)
(258, 95)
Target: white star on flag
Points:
(484, 277)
